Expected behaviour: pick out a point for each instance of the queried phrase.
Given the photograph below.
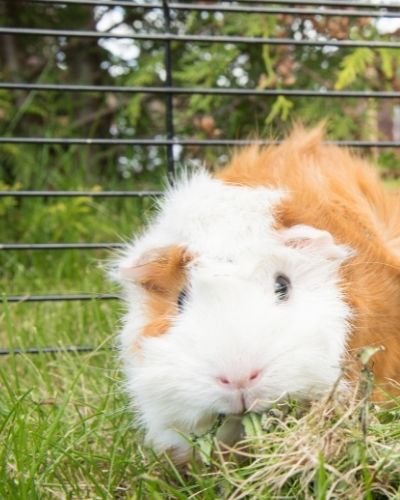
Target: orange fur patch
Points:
(162, 274)
(333, 189)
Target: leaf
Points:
(134, 109)
(269, 29)
(386, 62)
(205, 445)
(252, 425)
(367, 353)
(354, 65)
(321, 478)
(281, 108)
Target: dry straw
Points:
(342, 446)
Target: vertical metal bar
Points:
(169, 116)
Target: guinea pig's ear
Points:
(316, 241)
(157, 269)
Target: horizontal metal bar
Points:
(96, 3)
(164, 37)
(333, 3)
(59, 246)
(325, 3)
(249, 9)
(72, 194)
(83, 141)
(79, 349)
(72, 88)
(182, 142)
(57, 297)
(364, 94)
(226, 8)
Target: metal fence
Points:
(248, 7)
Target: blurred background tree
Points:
(130, 63)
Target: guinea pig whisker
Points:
(363, 263)
(379, 316)
(268, 402)
(293, 348)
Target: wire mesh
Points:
(169, 91)
(225, 7)
(220, 39)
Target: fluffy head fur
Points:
(207, 330)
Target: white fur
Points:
(232, 322)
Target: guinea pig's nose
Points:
(239, 381)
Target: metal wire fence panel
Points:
(169, 92)
(53, 350)
(217, 39)
(78, 194)
(58, 298)
(385, 6)
(323, 93)
(244, 9)
(171, 142)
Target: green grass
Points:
(66, 430)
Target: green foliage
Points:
(137, 115)
(387, 57)
(281, 107)
(354, 65)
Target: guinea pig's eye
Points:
(282, 286)
(181, 299)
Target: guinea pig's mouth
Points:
(230, 427)
(246, 404)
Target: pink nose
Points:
(240, 382)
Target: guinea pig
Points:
(259, 283)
